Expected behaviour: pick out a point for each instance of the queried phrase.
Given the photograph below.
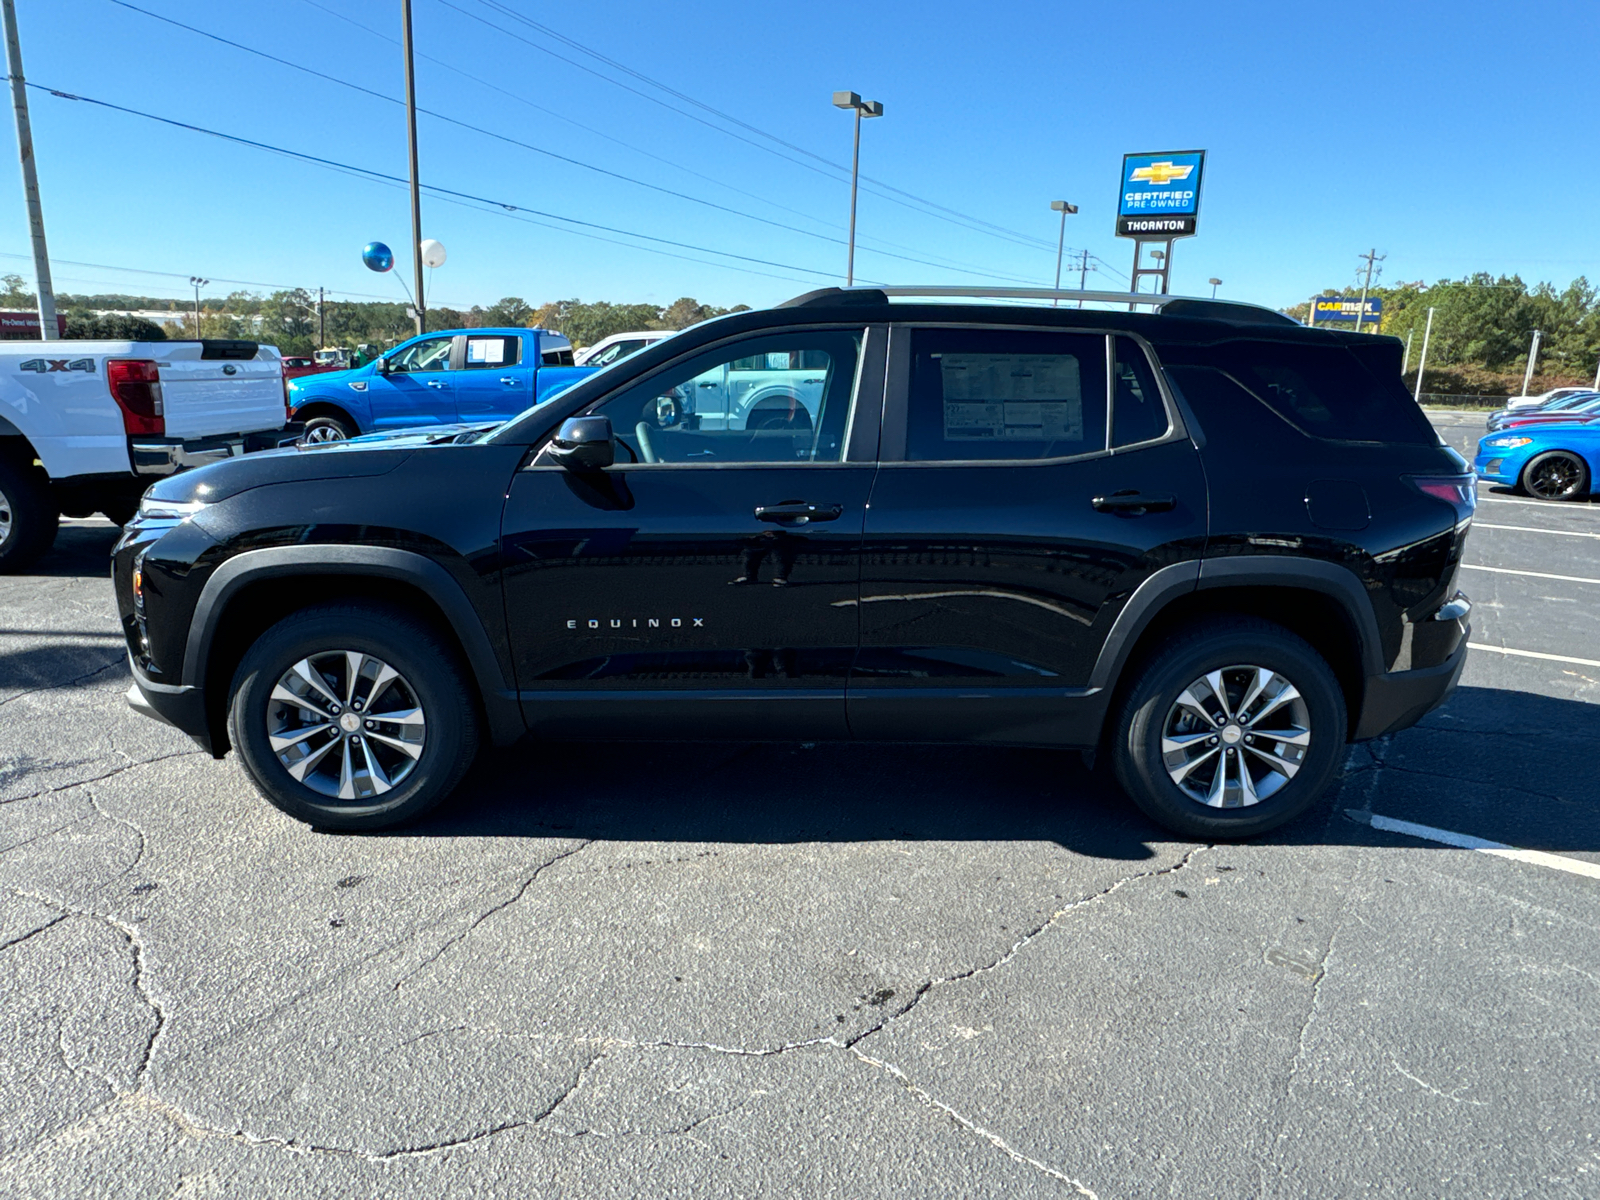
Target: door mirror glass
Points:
(582, 444)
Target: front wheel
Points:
(1556, 475)
(352, 716)
(327, 429)
(1232, 727)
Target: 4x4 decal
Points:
(41, 365)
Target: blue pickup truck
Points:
(444, 378)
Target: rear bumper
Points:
(182, 706)
(167, 456)
(1398, 700)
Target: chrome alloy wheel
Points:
(1234, 737)
(5, 519)
(323, 433)
(346, 724)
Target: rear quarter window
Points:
(1324, 391)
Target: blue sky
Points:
(1450, 136)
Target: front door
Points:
(495, 381)
(704, 586)
(1000, 547)
(415, 386)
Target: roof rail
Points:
(1194, 306)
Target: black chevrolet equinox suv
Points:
(1204, 544)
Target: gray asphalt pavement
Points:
(845, 971)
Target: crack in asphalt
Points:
(77, 783)
(501, 907)
(55, 687)
(138, 856)
(32, 933)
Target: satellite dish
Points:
(432, 253)
(378, 257)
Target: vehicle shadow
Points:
(80, 550)
(1506, 766)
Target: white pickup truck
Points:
(86, 426)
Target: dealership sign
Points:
(1160, 195)
(1345, 308)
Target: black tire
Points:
(1555, 475)
(29, 516)
(1150, 703)
(429, 671)
(328, 428)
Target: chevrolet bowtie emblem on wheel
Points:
(1161, 173)
(638, 623)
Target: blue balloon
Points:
(378, 257)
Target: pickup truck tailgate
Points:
(214, 387)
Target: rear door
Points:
(495, 381)
(212, 388)
(706, 585)
(1031, 481)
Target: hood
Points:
(302, 383)
(416, 435)
(334, 460)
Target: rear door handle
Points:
(798, 513)
(1130, 503)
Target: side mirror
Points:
(583, 444)
(381, 366)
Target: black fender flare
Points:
(1164, 586)
(499, 698)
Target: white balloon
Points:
(432, 253)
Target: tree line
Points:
(289, 320)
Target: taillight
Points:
(288, 413)
(136, 387)
(1460, 492)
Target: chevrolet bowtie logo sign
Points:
(1161, 173)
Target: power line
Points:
(530, 146)
(367, 172)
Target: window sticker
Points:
(486, 350)
(1011, 397)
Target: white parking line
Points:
(1530, 574)
(1561, 658)
(1533, 529)
(1464, 841)
(1547, 505)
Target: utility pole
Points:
(416, 192)
(1533, 358)
(30, 178)
(1083, 272)
(1062, 207)
(1373, 259)
(1422, 366)
(322, 324)
(197, 283)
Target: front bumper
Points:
(167, 456)
(180, 705)
(1398, 700)
(1503, 467)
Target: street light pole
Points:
(30, 177)
(1062, 207)
(1533, 359)
(863, 108)
(1215, 284)
(1422, 365)
(416, 192)
(197, 283)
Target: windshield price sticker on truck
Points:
(1160, 195)
(1026, 397)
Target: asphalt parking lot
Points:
(729, 971)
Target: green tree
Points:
(511, 311)
(16, 294)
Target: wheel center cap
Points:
(1231, 733)
(350, 722)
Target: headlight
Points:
(1507, 443)
(151, 509)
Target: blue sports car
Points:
(1551, 462)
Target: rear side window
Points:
(1138, 414)
(996, 394)
(1325, 391)
(489, 352)
(557, 358)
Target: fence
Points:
(1460, 400)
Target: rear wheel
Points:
(1556, 475)
(352, 716)
(1233, 727)
(29, 516)
(327, 428)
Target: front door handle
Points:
(797, 512)
(436, 383)
(708, 385)
(1131, 503)
(508, 380)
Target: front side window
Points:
(430, 354)
(496, 350)
(712, 410)
(1000, 394)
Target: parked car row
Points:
(1549, 449)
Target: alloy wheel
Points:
(1555, 477)
(346, 724)
(6, 519)
(323, 433)
(1235, 736)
